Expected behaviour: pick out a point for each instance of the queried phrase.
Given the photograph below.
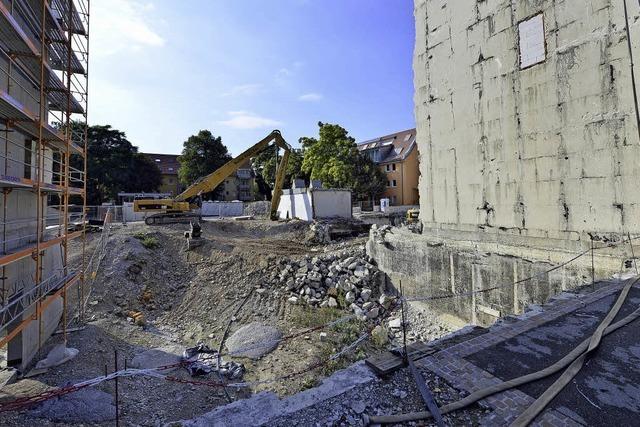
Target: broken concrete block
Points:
(57, 356)
(253, 341)
(395, 323)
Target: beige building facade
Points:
(397, 156)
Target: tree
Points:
(334, 159)
(264, 165)
(202, 154)
(114, 165)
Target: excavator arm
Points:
(174, 207)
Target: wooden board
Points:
(388, 362)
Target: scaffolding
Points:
(44, 58)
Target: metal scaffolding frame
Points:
(45, 44)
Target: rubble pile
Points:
(347, 280)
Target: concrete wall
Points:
(461, 271)
(331, 203)
(295, 203)
(310, 204)
(548, 151)
(224, 209)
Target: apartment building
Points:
(43, 122)
(397, 156)
(240, 185)
(168, 165)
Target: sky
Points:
(162, 70)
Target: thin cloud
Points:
(123, 25)
(248, 120)
(248, 89)
(311, 97)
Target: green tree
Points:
(202, 154)
(334, 159)
(264, 165)
(114, 165)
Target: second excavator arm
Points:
(210, 182)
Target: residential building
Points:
(168, 165)
(240, 185)
(43, 91)
(397, 156)
(528, 130)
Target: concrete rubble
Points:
(347, 280)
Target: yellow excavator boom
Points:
(180, 206)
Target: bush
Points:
(149, 242)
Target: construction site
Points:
(503, 292)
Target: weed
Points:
(310, 317)
(140, 235)
(148, 241)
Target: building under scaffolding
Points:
(44, 55)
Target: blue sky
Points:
(162, 70)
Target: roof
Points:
(167, 163)
(402, 142)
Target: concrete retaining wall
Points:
(442, 264)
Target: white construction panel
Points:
(532, 44)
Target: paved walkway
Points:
(607, 390)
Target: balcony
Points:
(243, 173)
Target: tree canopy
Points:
(264, 165)
(334, 159)
(202, 154)
(114, 165)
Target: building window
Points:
(393, 183)
(393, 166)
(533, 49)
(388, 167)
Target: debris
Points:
(323, 336)
(202, 360)
(136, 317)
(7, 376)
(324, 281)
(380, 335)
(57, 356)
(395, 323)
(253, 341)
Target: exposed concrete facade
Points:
(522, 161)
(549, 151)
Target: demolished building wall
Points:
(528, 140)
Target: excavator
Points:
(183, 207)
